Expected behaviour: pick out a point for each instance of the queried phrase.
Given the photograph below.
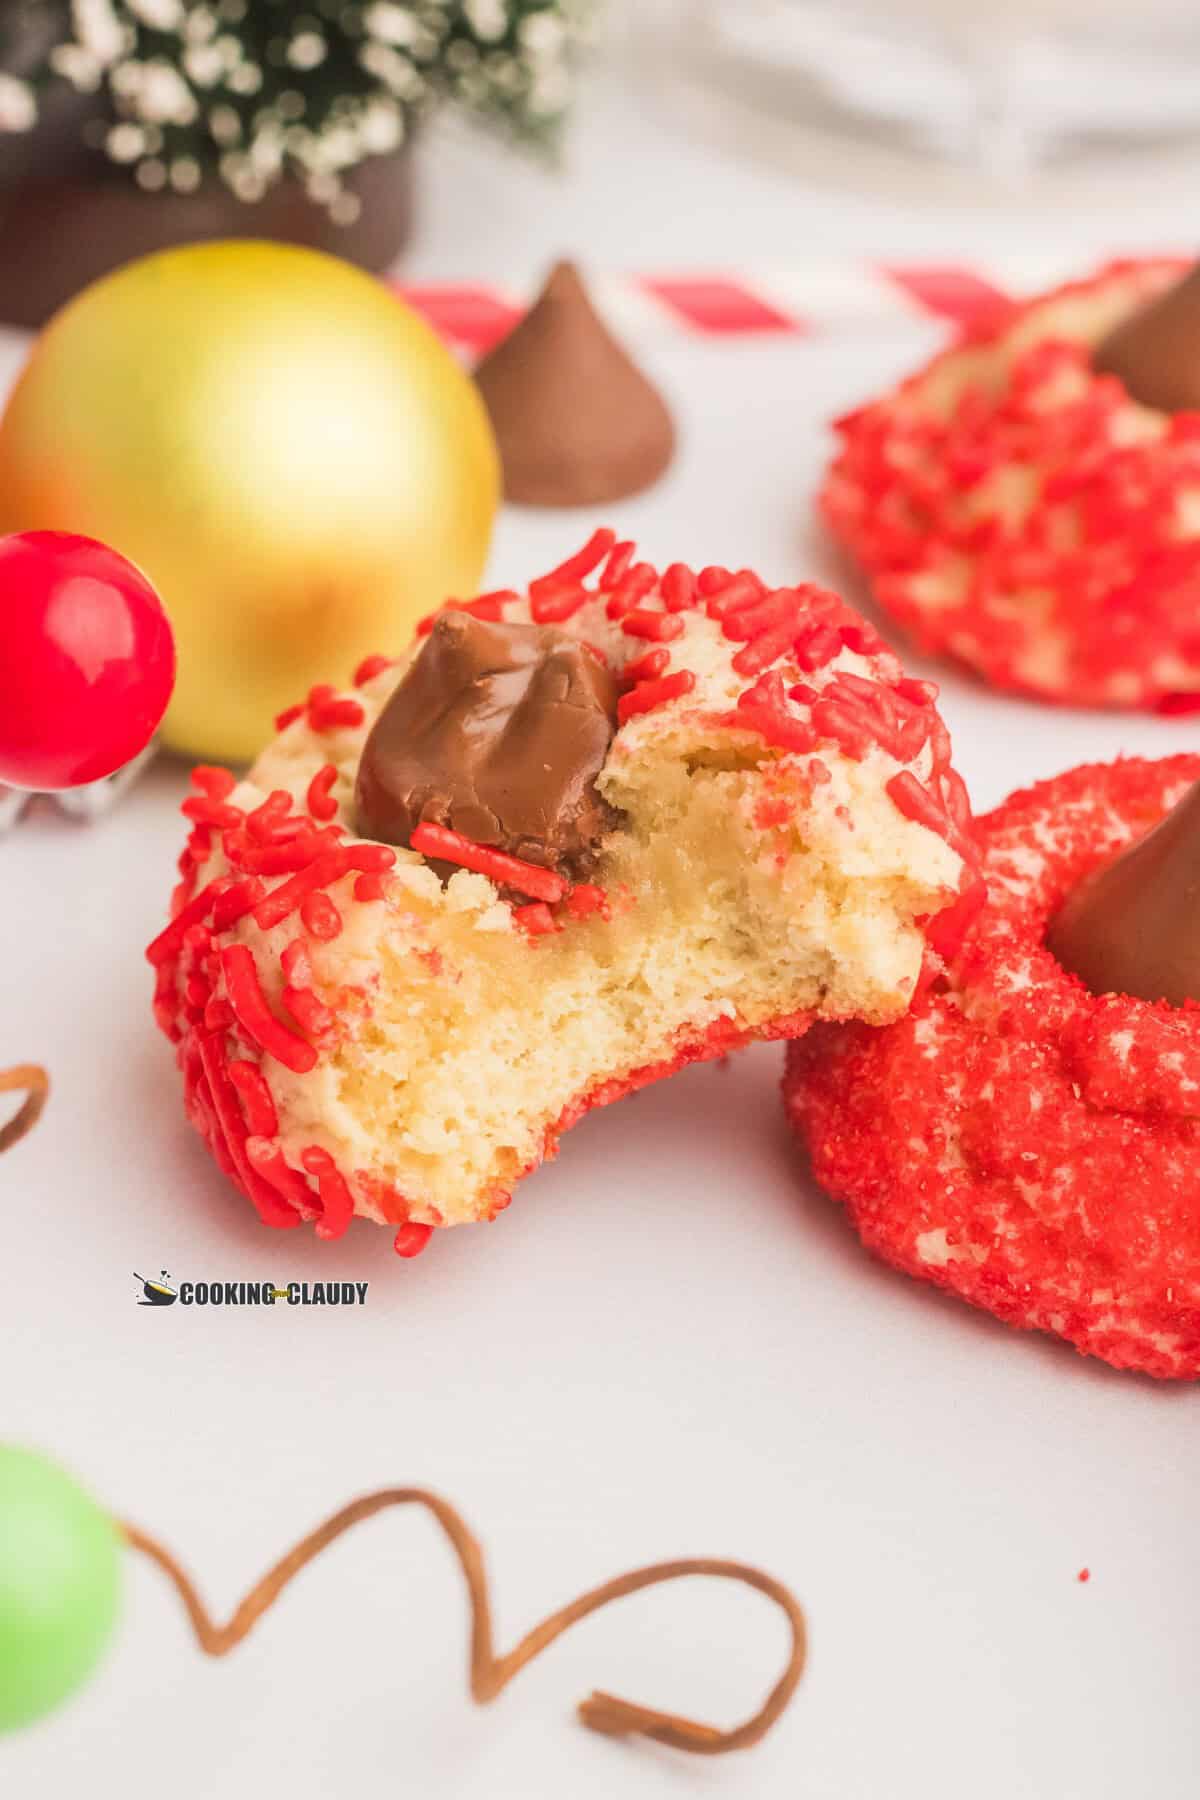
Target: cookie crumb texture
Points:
(1018, 1140)
(359, 1036)
(1019, 511)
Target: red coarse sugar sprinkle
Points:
(332, 714)
(442, 845)
(261, 1118)
(632, 587)
(311, 1014)
(647, 667)
(212, 781)
(655, 627)
(218, 1016)
(816, 645)
(267, 1160)
(553, 599)
(488, 607)
(648, 695)
(255, 1016)
(198, 846)
(764, 613)
(586, 899)
(229, 1136)
(916, 802)
(713, 577)
(619, 559)
(725, 593)
(584, 561)
(369, 668)
(862, 639)
(775, 727)
(678, 587)
(289, 715)
(236, 901)
(923, 693)
(763, 650)
(536, 920)
(261, 823)
(337, 1204)
(369, 887)
(328, 867)
(280, 859)
(1084, 1575)
(319, 799)
(295, 964)
(947, 930)
(410, 1240)
(321, 917)
(170, 940)
(197, 993)
(218, 813)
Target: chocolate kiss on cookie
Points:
(498, 732)
(1133, 927)
(577, 422)
(1156, 351)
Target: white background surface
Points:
(670, 1344)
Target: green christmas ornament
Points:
(60, 1573)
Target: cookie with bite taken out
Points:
(567, 841)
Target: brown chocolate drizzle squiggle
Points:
(489, 1673)
(34, 1080)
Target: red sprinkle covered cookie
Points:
(570, 840)
(1028, 1137)
(1029, 503)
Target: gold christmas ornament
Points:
(289, 453)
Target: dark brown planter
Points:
(62, 226)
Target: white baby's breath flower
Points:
(488, 19)
(247, 78)
(162, 96)
(381, 127)
(542, 33)
(186, 174)
(99, 30)
(18, 108)
(307, 50)
(345, 209)
(224, 124)
(78, 66)
(125, 142)
(160, 15)
(203, 64)
(391, 24)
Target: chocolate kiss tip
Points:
(1155, 352)
(1133, 927)
(576, 421)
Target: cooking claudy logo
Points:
(156, 1293)
(251, 1293)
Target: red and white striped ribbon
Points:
(815, 299)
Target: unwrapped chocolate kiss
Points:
(576, 421)
(1155, 352)
(1133, 926)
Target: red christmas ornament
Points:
(87, 660)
